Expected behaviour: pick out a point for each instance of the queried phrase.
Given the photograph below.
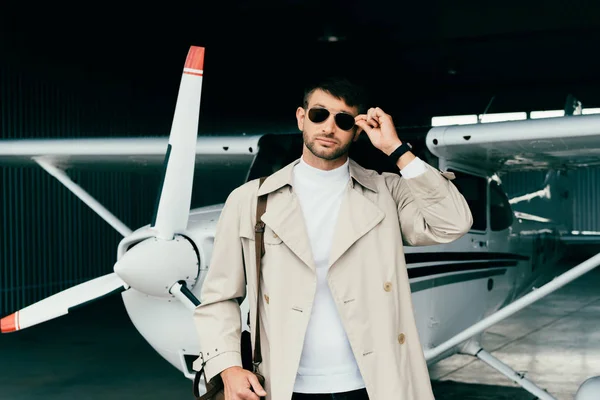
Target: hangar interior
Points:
(108, 74)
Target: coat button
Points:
(267, 299)
(275, 236)
(401, 338)
(387, 286)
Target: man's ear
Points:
(357, 133)
(300, 114)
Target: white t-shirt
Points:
(327, 364)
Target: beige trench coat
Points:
(367, 277)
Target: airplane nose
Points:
(154, 265)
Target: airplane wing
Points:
(582, 238)
(550, 143)
(222, 162)
(128, 153)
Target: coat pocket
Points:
(270, 237)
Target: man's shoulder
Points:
(246, 190)
(383, 179)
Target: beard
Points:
(332, 153)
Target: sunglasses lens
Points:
(318, 115)
(344, 121)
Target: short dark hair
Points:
(341, 88)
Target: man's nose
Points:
(329, 124)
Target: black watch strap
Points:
(396, 154)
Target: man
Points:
(336, 314)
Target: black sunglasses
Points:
(342, 120)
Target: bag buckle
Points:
(259, 227)
(255, 366)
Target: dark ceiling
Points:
(418, 59)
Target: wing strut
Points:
(514, 307)
(474, 349)
(84, 196)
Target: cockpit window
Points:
(501, 215)
(473, 189)
(275, 151)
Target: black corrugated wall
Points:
(50, 240)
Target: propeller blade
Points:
(60, 303)
(175, 195)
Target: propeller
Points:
(61, 302)
(176, 192)
(165, 263)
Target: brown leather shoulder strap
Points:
(259, 230)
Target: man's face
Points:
(326, 140)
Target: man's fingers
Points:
(371, 114)
(364, 126)
(381, 115)
(373, 123)
(247, 394)
(371, 118)
(258, 389)
(374, 112)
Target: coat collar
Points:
(284, 177)
(357, 216)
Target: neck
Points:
(320, 163)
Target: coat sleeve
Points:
(218, 317)
(431, 210)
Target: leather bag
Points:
(215, 389)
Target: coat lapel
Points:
(284, 216)
(357, 216)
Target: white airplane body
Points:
(451, 293)
(456, 287)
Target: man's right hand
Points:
(241, 384)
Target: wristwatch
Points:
(396, 154)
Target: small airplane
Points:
(459, 289)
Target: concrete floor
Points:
(555, 342)
(96, 353)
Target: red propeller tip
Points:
(195, 58)
(10, 323)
